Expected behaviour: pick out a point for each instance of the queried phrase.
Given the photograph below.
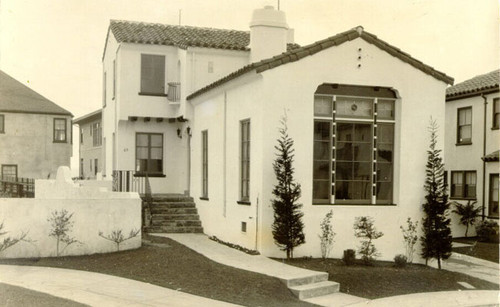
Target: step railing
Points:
(126, 181)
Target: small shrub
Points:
(327, 235)
(468, 213)
(363, 228)
(410, 237)
(400, 260)
(235, 246)
(349, 257)
(117, 236)
(10, 241)
(487, 231)
(61, 227)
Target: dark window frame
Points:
(245, 144)
(149, 147)
(96, 132)
(204, 164)
(2, 123)
(495, 122)
(463, 192)
(466, 141)
(492, 205)
(147, 82)
(55, 140)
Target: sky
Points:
(55, 46)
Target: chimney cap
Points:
(268, 17)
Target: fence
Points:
(125, 181)
(17, 187)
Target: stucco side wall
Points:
(420, 97)
(175, 153)
(28, 143)
(221, 214)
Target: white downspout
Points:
(224, 179)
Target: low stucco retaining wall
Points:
(94, 210)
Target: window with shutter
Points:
(152, 74)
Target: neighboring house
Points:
(198, 111)
(473, 142)
(35, 133)
(90, 147)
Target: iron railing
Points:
(125, 181)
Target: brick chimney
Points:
(268, 33)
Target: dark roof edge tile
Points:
(467, 94)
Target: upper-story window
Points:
(464, 125)
(2, 123)
(496, 113)
(245, 160)
(60, 130)
(96, 134)
(152, 74)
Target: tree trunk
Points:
(466, 229)
(439, 262)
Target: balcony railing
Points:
(174, 91)
(17, 187)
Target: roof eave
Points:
(462, 95)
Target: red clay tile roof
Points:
(17, 97)
(180, 36)
(481, 84)
(299, 53)
(494, 156)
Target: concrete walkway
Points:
(96, 289)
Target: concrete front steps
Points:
(172, 213)
(311, 286)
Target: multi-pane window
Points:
(96, 166)
(493, 199)
(2, 123)
(496, 114)
(353, 148)
(60, 130)
(204, 163)
(152, 74)
(96, 131)
(149, 153)
(463, 184)
(245, 160)
(464, 125)
(9, 172)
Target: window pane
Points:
(141, 165)
(355, 190)
(142, 153)
(385, 109)
(465, 133)
(321, 130)
(345, 132)
(321, 150)
(385, 133)
(321, 170)
(323, 106)
(321, 189)
(384, 172)
(362, 170)
(354, 107)
(156, 153)
(384, 192)
(456, 177)
(142, 139)
(363, 133)
(362, 151)
(156, 140)
(384, 153)
(155, 166)
(470, 177)
(344, 151)
(344, 170)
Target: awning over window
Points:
(492, 157)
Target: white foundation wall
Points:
(94, 210)
(291, 87)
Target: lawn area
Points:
(171, 265)
(384, 279)
(484, 250)
(17, 296)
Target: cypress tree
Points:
(288, 227)
(436, 239)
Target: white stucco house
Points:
(472, 144)
(198, 111)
